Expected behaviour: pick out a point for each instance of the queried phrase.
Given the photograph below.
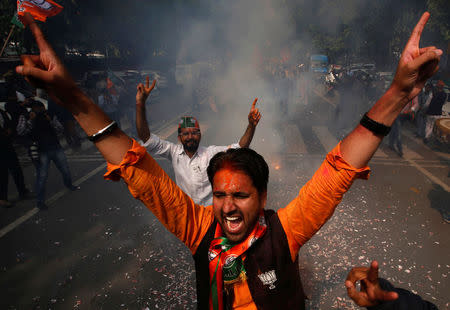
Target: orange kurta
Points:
(189, 222)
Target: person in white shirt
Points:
(189, 160)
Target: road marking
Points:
(420, 142)
(168, 131)
(429, 175)
(49, 201)
(380, 153)
(325, 137)
(19, 221)
(408, 153)
(334, 105)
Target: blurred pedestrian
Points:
(44, 130)
(110, 104)
(69, 125)
(14, 107)
(9, 162)
(395, 135)
(379, 294)
(424, 101)
(434, 111)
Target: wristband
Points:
(375, 127)
(103, 132)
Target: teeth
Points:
(229, 218)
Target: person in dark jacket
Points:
(9, 162)
(44, 130)
(379, 294)
(434, 110)
(424, 101)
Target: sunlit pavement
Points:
(98, 248)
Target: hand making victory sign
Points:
(254, 116)
(144, 91)
(371, 293)
(416, 64)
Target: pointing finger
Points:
(417, 32)
(37, 33)
(147, 81)
(254, 103)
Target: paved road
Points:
(98, 248)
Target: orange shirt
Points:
(189, 222)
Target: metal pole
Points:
(7, 39)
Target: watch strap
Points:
(375, 127)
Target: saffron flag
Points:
(39, 9)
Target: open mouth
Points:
(234, 224)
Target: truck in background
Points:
(319, 64)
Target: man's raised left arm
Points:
(415, 67)
(317, 199)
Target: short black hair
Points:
(245, 160)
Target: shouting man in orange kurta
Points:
(245, 256)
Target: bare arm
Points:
(253, 118)
(47, 71)
(142, 128)
(415, 67)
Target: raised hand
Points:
(371, 293)
(144, 91)
(416, 64)
(46, 70)
(254, 116)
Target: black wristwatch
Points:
(375, 127)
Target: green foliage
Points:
(440, 17)
(8, 9)
(343, 29)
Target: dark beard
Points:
(190, 148)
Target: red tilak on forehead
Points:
(229, 179)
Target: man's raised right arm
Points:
(47, 71)
(142, 128)
(126, 158)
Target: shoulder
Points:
(177, 148)
(202, 150)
